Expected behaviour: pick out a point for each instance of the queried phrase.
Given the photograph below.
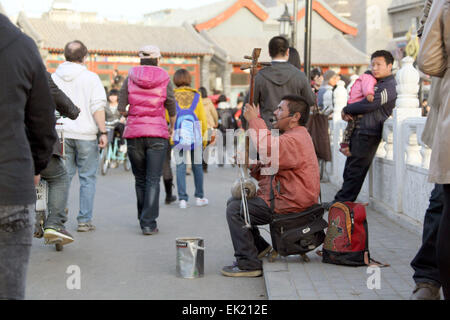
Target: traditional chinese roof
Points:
(325, 11)
(339, 51)
(400, 5)
(120, 38)
(210, 16)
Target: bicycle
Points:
(111, 155)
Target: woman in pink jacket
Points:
(149, 93)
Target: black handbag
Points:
(298, 232)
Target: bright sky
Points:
(112, 9)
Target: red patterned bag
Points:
(347, 238)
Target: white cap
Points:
(149, 51)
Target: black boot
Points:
(168, 185)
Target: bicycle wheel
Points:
(104, 165)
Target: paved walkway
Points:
(291, 278)
(117, 262)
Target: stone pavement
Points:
(291, 278)
(117, 262)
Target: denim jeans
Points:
(197, 169)
(425, 262)
(147, 157)
(16, 234)
(83, 155)
(58, 191)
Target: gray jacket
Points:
(276, 81)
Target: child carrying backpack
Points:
(189, 133)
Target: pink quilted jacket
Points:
(147, 91)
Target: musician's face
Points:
(282, 116)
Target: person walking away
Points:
(86, 91)
(113, 115)
(226, 122)
(148, 91)
(279, 79)
(364, 87)
(318, 126)
(117, 80)
(27, 136)
(316, 80)
(55, 174)
(294, 58)
(189, 137)
(212, 119)
(433, 59)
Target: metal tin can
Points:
(190, 257)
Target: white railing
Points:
(398, 180)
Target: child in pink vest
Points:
(363, 88)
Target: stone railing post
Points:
(407, 106)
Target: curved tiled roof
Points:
(338, 50)
(120, 38)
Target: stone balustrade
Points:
(397, 183)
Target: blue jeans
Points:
(147, 157)
(197, 169)
(16, 234)
(83, 155)
(58, 191)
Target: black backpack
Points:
(298, 232)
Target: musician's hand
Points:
(251, 112)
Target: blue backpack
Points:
(188, 134)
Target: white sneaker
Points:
(201, 202)
(183, 204)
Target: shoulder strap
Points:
(272, 194)
(194, 102)
(178, 107)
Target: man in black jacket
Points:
(278, 80)
(27, 135)
(55, 174)
(367, 135)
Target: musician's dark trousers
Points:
(363, 148)
(248, 243)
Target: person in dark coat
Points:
(27, 136)
(278, 80)
(367, 136)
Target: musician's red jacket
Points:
(296, 183)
